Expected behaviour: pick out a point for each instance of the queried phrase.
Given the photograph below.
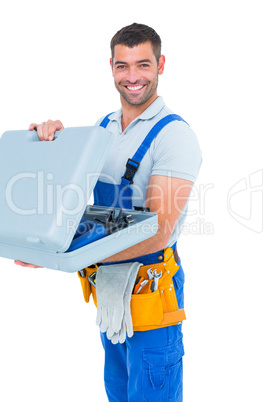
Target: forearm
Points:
(167, 197)
(151, 245)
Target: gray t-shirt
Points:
(175, 152)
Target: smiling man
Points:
(153, 163)
(136, 80)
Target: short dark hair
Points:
(135, 34)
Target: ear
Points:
(161, 64)
(111, 64)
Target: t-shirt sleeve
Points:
(177, 152)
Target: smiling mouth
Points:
(134, 88)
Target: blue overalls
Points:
(147, 366)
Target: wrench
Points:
(156, 278)
(150, 273)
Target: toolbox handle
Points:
(33, 136)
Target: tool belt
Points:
(149, 310)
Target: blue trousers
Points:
(147, 366)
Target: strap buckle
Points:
(131, 168)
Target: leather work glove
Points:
(127, 326)
(114, 285)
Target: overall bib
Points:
(147, 366)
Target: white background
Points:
(55, 64)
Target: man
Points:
(147, 366)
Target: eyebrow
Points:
(138, 62)
(145, 61)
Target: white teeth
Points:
(135, 88)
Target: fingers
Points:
(33, 126)
(46, 130)
(25, 264)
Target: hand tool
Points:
(155, 276)
(150, 273)
(151, 280)
(103, 225)
(92, 279)
(156, 279)
(114, 223)
(140, 283)
(83, 273)
(150, 286)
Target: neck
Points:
(131, 112)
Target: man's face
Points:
(135, 71)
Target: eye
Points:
(120, 67)
(144, 65)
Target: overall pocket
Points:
(162, 373)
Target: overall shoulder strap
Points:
(105, 121)
(134, 162)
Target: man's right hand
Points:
(46, 130)
(25, 264)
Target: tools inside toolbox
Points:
(96, 224)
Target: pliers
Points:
(140, 283)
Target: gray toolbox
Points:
(45, 187)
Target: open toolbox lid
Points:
(45, 185)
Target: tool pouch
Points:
(160, 308)
(149, 310)
(87, 288)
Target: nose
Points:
(133, 75)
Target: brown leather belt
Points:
(176, 256)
